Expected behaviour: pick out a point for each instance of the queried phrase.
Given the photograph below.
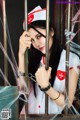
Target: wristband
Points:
(21, 74)
(57, 97)
(46, 88)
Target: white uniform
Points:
(37, 104)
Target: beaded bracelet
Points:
(57, 97)
(46, 88)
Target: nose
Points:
(37, 43)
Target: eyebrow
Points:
(38, 35)
(38, 31)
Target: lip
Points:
(41, 48)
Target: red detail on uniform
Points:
(70, 68)
(39, 106)
(44, 60)
(30, 18)
(61, 75)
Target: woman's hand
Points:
(43, 76)
(24, 43)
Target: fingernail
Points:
(27, 35)
(32, 39)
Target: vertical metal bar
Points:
(5, 39)
(47, 35)
(26, 15)
(47, 50)
(78, 40)
(26, 53)
(67, 59)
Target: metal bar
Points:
(47, 34)
(67, 59)
(26, 15)
(26, 53)
(5, 39)
(47, 51)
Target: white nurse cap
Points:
(36, 14)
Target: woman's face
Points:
(39, 40)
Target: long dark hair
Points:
(35, 55)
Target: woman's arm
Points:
(24, 43)
(21, 64)
(73, 79)
(52, 93)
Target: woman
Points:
(51, 81)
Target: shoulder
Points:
(72, 56)
(74, 61)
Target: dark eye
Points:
(38, 36)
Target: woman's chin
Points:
(43, 51)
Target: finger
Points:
(32, 40)
(27, 35)
(50, 70)
(28, 46)
(27, 41)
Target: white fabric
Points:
(37, 105)
(35, 9)
(36, 14)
